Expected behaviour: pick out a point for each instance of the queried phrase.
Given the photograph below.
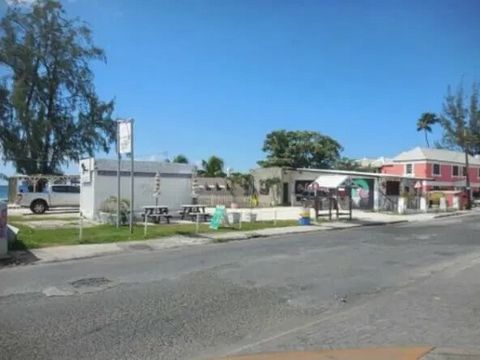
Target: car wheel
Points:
(38, 206)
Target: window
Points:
(436, 169)
(409, 169)
(479, 172)
(74, 189)
(60, 189)
(454, 170)
(392, 188)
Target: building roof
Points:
(373, 163)
(144, 166)
(442, 155)
(361, 174)
(330, 181)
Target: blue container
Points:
(304, 221)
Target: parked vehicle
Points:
(53, 196)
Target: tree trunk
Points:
(426, 138)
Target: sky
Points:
(215, 76)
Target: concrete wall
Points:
(262, 174)
(394, 169)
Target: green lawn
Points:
(36, 238)
(21, 218)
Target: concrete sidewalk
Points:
(71, 252)
(397, 353)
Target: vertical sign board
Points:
(3, 229)
(217, 218)
(125, 146)
(124, 136)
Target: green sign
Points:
(217, 218)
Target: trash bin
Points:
(304, 221)
(234, 217)
(304, 216)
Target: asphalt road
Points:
(405, 284)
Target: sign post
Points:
(125, 146)
(118, 175)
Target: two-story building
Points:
(445, 169)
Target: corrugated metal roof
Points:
(441, 155)
(144, 166)
(330, 181)
(374, 163)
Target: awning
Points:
(329, 181)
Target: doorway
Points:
(285, 197)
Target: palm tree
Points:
(180, 159)
(213, 167)
(425, 124)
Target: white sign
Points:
(3, 228)
(124, 137)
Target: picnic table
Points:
(192, 210)
(156, 213)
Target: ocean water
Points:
(3, 192)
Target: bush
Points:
(109, 206)
(434, 197)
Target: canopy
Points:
(329, 181)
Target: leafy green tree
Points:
(300, 149)
(49, 110)
(180, 159)
(346, 163)
(245, 181)
(461, 121)
(213, 167)
(461, 125)
(425, 123)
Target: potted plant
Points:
(108, 212)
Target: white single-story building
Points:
(98, 182)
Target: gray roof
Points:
(373, 163)
(441, 155)
(144, 166)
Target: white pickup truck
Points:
(53, 196)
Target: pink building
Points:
(445, 169)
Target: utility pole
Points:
(467, 175)
(132, 177)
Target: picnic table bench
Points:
(192, 211)
(156, 213)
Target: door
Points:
(64, 195)
(58, 195)
(285, 197)
(74, 195)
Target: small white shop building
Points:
(98, 182)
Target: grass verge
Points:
(29, 238)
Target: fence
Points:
(224, 199)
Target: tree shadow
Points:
(18, 254)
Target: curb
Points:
(439, 216)
(243, 236)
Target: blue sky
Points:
(213, 77)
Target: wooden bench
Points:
(157, 218)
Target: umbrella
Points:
(156, 187)
(194, 183)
